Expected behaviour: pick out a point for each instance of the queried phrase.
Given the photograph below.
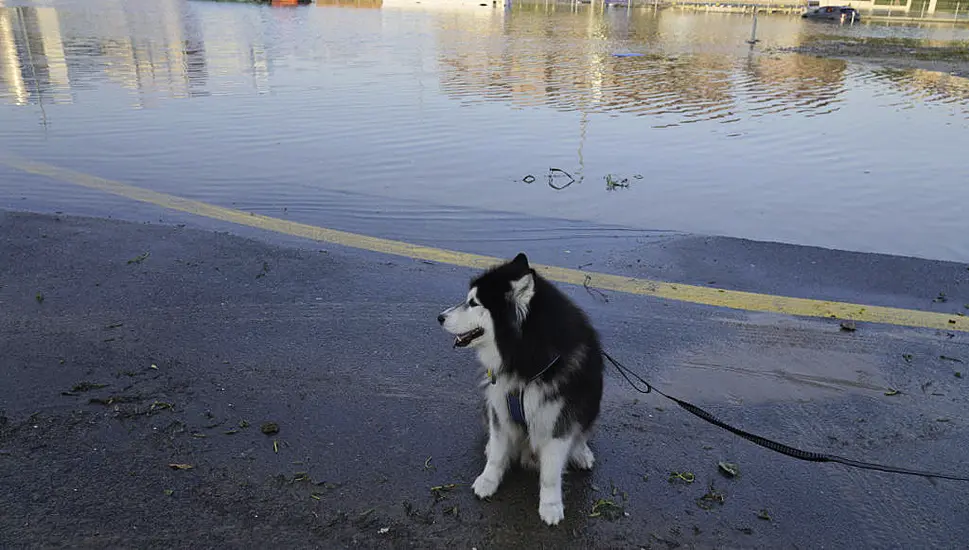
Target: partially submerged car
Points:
(833, 13)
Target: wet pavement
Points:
(200, 337)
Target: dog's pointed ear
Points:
(521, 260)
(523, 289)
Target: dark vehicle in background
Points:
(832, 13)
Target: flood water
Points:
(389, 118)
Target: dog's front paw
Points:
(552, 512)
(484, 487)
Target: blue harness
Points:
(516, 400)
(516, 407)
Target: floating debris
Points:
(764, 515)
(941, 298)
(40, 298)
(892, 391)
(908, 357)
(613, 183)
(554, 173)
(180, 466)
(848, 326)
(953, 359)
(169, 492)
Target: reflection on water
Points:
(379, 97)
(527, 59)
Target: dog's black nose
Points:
(440, 319)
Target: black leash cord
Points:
(643, 386)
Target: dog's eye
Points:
(473, 303)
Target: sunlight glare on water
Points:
(373, 116)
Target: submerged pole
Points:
(753, 30)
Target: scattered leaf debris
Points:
(87, 386)
(114, 399)
(607, 509)
(269, 428)
(160, 406)
(440, 491)
(712, 498)
(729, 468)
(139, 258)
(688, 477)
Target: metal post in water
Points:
(753, 31)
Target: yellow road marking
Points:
(671, 291)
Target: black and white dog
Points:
(543, 364)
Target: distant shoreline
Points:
(951, 58)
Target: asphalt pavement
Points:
(173, 386)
